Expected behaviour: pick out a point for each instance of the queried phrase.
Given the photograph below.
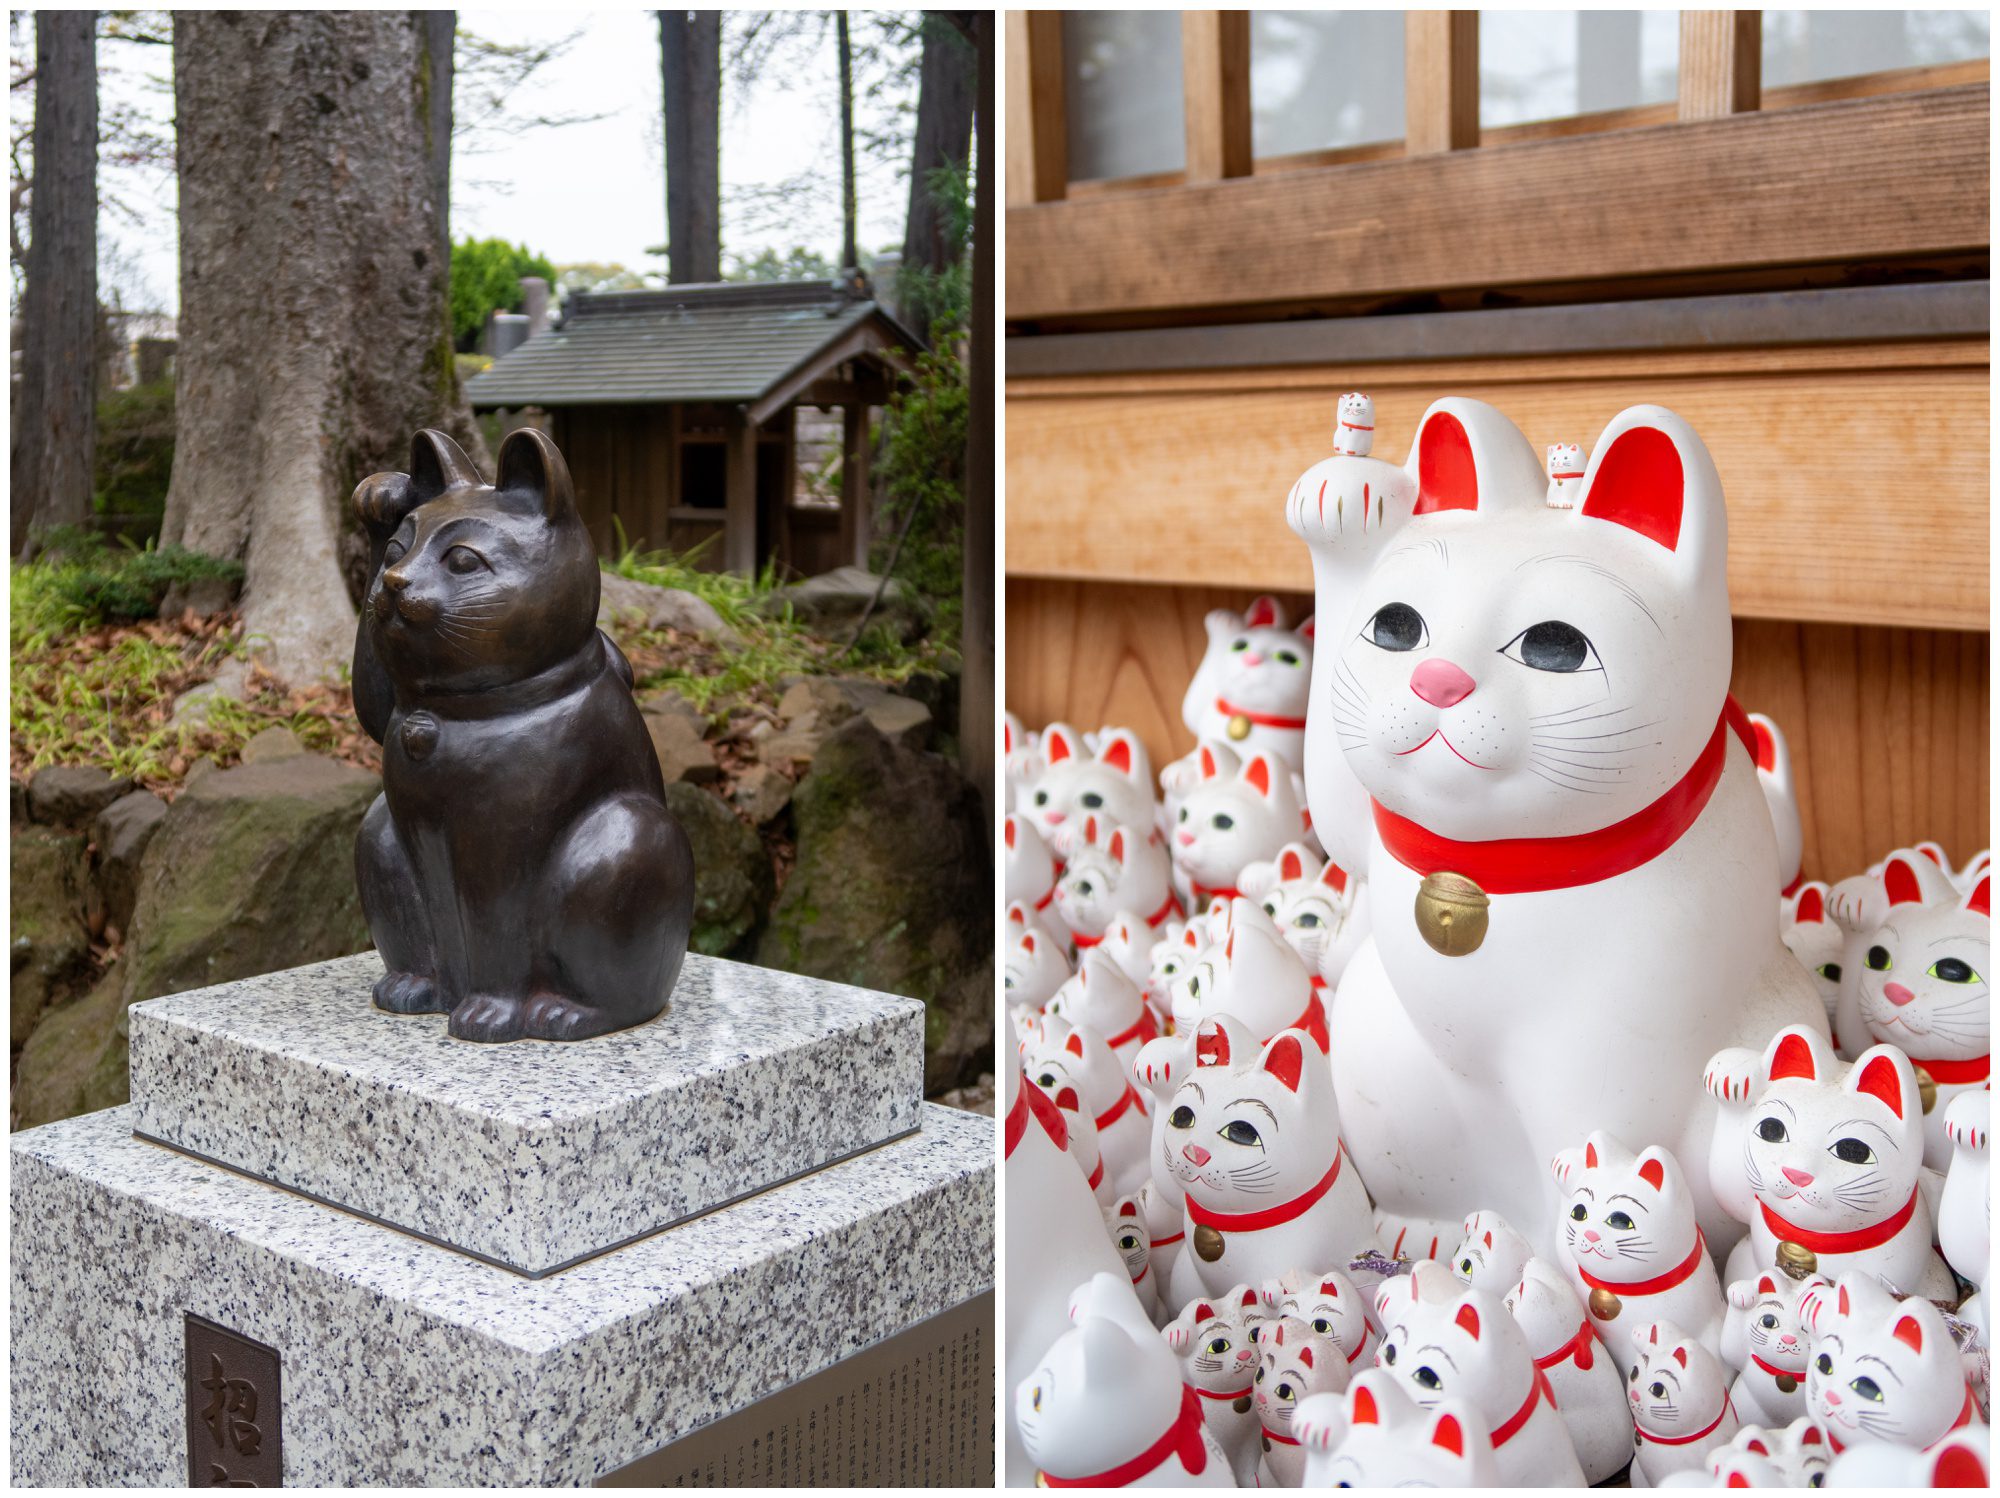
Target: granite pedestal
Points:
(528, 1264)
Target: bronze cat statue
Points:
(520, 871)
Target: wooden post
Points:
(1037, 118)
(977, 719)
(855, 499)
(1440, 81)
(1215, 85)
(739, 531)
(1722, 63)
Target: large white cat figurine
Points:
(1114, 784)
(1520, 736)
(1826, 1157)
(1216, 1341)
(1882, 1369)
(1376, 1436)
(1680, 1402)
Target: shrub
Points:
(80, 581)
(486, 277)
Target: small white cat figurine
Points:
(1125, 1221)
(1249, 691)
(1080, 1133)
(1680, 1402)
(1101, 996)
(1216, 1341)
(1129, 941)
(1965, 1206)
(1923, 985)
(1030, 868)
(1032, 966)
(1331, 1305)
(1445, 1340)
(1064, 1055)
(1815, 939)
(1113, 868)
(1882, 1369)
(1565, 475)
(1254, 976)
(1020, 759)
(1318, 909)
(1354, 425)
(1378, 1437)
(1963, 1461)
(1253, 1139)
(1114, 784)
(1491, 1255)
(1242, 812)
(1630, 1239)
(1797, 1449)
(1588, 1384)
(1293, 1363)
(1767, 1345)
(1826, 1159)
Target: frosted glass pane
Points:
(1122, 87)
(1324, 78)
(1548, 64)
(1805, 46)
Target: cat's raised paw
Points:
(408, 993)
(488, 1018)
(1730, 1075)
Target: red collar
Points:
(1263, 720)
(1204, 894)
(1043, 903)
(1142, 1274)
(1313, 1022)
(1361, 1346)
(1840, 1243)
(1183, 1438)
(1658, 1282)
(1647, 1435)
(1580, 1347)
(1163, 1242)
(1953, 1073)
(1511, 1427)
(1778, 1372)
(1116, 1111)
(1032, 1099)
(1171, 906)
(1097, 1175)
(1145, 1027)
(1268, 1217)
(1224, 1393)
(1523, 865)
(1282, 1440)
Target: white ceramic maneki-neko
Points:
(1242, 811)
(1099, 995)
(1588, 1384)
(1376, 1436)
(1216, 1341)
(1679, 1393)
(1965, 1205)
(1070, 781)
(1331, 1305)
(1064, 1055)
(1797, 1450)
(1114, 868)
(1812, 935)
(1766, 1344)
(1520, 735)
(1882, 1369)
(1293, 1364)
(1824, 1160)
(1321, 912)
(1032, 963)
(1492, 1253)
(1125, 1221)
(1250, 690)
(1252, 974)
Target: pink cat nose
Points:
(1832, 1398)
(1788, 1340)
(1195, 1153)
(1896, 994)
(1797, 1177)
(1590, 1235)
(1440, 683)
(1186, 839)
(1243, 1356)
(1055, 818)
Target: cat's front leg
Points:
(1730, 1077)
(398, 923)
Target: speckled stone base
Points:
(408, 1363)
(532, 1155)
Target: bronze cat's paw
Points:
(550, 1016)
(408, 993)
(488, 1017)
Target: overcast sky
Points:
(588, 192)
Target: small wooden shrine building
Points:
(677, 412)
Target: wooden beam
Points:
(1722, 57)
(1037, 115)
(1215, 90)
(1825, 182)
(1440, 81)
(856, 501)
(739, 537)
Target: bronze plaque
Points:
(232, 1409)
(914, 1410)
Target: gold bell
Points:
(1240, 1404)
(1786, 1383)
(1207, 1243)
(1239, 727)
(1604, 1305)
(1796, 1259)
(1451, 914)
(1926, 1089)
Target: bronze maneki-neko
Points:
(520, 871)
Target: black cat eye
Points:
(1657, 1389)
(1853, 1151)
(1396, 626)
(1307, 920)
(1878, 959)
(1041, 798)
(1620, 1221)
(1046, 1080)
(1181, 1118)
(1092, 800)
(1288, 658)
(1578, 1214)
(1830, 971)
(1551, 646)
(1867, 1388)
(1389, 1353)
(1767, 1321)
(1427, 1377)
(1239, 1132)
(1322, 1326)
(1823, 1363)
(1222, 821)
(1465, 1265)
(1772, 1130)
(1240, 645)
(1219, 1345)
(1953, 970)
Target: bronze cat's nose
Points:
(395, 580)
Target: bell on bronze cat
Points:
(1926, 1087)
(1796, 1260)
(1239, 727)
(1207, 1243)
(1451, 913)
(1604, 1305)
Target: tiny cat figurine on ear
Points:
(520, 871)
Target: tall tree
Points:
(691, 87)
(850, 254)
(943, 137)
(55, 425)
(976, 728)
(314, 337)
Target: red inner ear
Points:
(1074, 1045)
(1289, 867)
(1958, 1468)
(1448, 1435)
(1207, 764)
(1910, 1333)
(1654, 1174)
(1119, 756)
(1489, 1240)
(1811, 1437)
(1879, 1079)
(1447, 479)
(1979, 897)
(1793, 1058)
(1330, 1288)
(1286, 1061)
(1211, 1046)
(1756, 1448)
(1263, 612)
(1067, 1099)
(1117, 849)
(1681, 1356)
(1767, 747)
(1639, 485)
(1468, 1317)
(1900, 881)
(1058, 746)
(1028, 940)
(1812, 907)
(1334, 876)
(1259, 775)
(1202, 1311)
(1249, 1297)
(1766, 1285)
(1128, 1210)
(1365, 1412)
(1306, 1356)
(1590, 1156)
(1306, 628)
(1737, 1480)
(1010, 832)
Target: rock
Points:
(733, 882)
(817, 697)
(974, 1097)
(71, 795)
(667, 700)
(825, 702)
(625, 599)
(250, 871)
(684, 753)
(77, 1059)
(191, 708)
(900, 720)
(794, 744)
(761, 793)
(121, 832)
(46, 878)
(834, 601)
(893, 889)
(275, 742)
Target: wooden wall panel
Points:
(1824, 522)
(1888, 728)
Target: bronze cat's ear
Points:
(436, 464)
(529, 463)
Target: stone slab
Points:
(531, 1155)
(404, 1362)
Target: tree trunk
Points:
(976, 728)
(943, 136)
(850, 255)
(314, 327)
(56, 423)
(440, 40)
(691, 87)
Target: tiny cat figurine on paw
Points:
(520, 871)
